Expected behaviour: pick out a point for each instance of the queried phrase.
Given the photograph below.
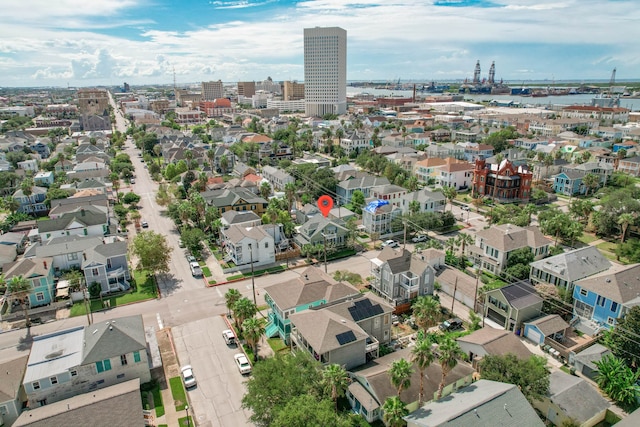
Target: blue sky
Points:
(107, 42)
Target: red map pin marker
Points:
(325, 203)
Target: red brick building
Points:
(513, 183)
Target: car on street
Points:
(145, 224)
(180, 243)
(391, 243)
(419, 238)
(133, 180)
(196, 271)
(188, 377)
(451, 324)
(243, 363)
(191, 258)
(229, 337)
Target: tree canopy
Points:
(152, 251)
(530, 375)
(623, 338)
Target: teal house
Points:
(312, 288)
(38, 271)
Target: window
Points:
(601, 301)
(123, 359)
(614, 306)
(73, 373)
(35, 385)
(119, 376)
(266, 245)
(386, 319)
(72, 256)
(40, 296)
(583, 292)
(136, 356)
(376, 322)
(94, 271)
(103, 365)
(42, 402)
(611, 321)
(3, 410)
(54, 380)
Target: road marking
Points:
(218, 291)
(160, 326)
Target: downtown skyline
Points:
(107, 42)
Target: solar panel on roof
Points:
(346, 337)
(364, 309)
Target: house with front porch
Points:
(601, 299)
(564, 269)
(630, 165)
(389, 192)
(399, 276)
(246, 246)
(74, 361)
(360, 182)
(493, 342)
(66, 251)
(494, 245)
(39, 273)
(277, 177)
(235, 199)
(107, 264)
(512, 305)
(84, 222)
(320, 230)
(33, 203)
(428, 201)
(346, 333)
(311, 288)
(11, 394)
(378, 215)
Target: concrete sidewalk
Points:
(171, 369)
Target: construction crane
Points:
(492, 73)
(612, 82)
(476, 73)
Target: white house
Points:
(84, 222)
(244, 243)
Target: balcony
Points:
(410, 282)
(372, 345)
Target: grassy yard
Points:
(178, 393)
(608, 249)
(587, 238)
(206, 272)
(278, 345)
(153, 388)
(146, 289)
(184, 422)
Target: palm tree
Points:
(591, 181)
(529, 209)
(252, 330)
(243, 309)
(414, 207)
(230, 298)
(426, 310)
(224, 164)
(290, 193)
(265, 190)
(157, 150)
(463, 240)
(211, 155)
(10, 203)
(336, 379)
(448, 354)
(450, 194)
(135, 217)
(400, 374)
(18, 289)
(625, 220)
(394, 412)
(188, 155)
(422, 356)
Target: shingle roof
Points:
(312, 285)
(574, 265)
(579, 400)
(102, 252)
(28, 267)
(320, 328)
(236, 217)
(619, 285)
(509, 237)
(67, 244)
(497, 342)
(85, 217)
(236, 233)
(592, 354)
(12, 373)
(521, 295)
(103, 340)
(482, 404)
(550, 324)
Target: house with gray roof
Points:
(66, 251)
(83, 222)
(32, 203)
(572, 399)
(235, 199)
(246, 219)
(245, 246)
(39, 273)
(320, 230)
(15, 239)
(584, 361)
(363, 183)
(60, 210)
(118, 405)
(84, 359)
(400, 276)
(494, 244)
(512, 305)
(10, 389)
(313, 287)
(484, 403)
(428, 201)
(277, 177)
(550, 326)
(370, 384)
(493, 342)
(106, 263)
(564, 269)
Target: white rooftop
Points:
(54, 353)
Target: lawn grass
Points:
(145, 289)
(587, 238)
(565, 369)
(206, 272)
(184, 422)
(178, 393)
(154, 388)
(212, 282)
(278, 345)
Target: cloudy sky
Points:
(107, 42)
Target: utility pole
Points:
(475, 295)
(404, 244)
(253, 280)
(324, 237)
(453, 300)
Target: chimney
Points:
(306, 276)
(45, 264)
(84, 256)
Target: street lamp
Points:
(186, 407)
(253, 280)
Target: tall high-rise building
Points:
(325, 71)
(246, 89)
(212, 90)
(293, 91)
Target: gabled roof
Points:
(579, 400)
(12, 373)
(484, 403)
(84, 217)
(497, 342)
(549, 324)
(28, 267)
(574, 265)
(619, 284)
(66, 245)
(366, 181)
(102, 253)
(595, 353)
(54, 353)
(423, 196)
(310, 286)
(509, 237)
(237, 217)
(317, 224)
(237, 233)
(520, 295)
(322, 329)
(103, 340)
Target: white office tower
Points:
(325, 71)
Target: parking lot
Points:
(217, 398)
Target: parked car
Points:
(229, 337)
(196, 271)
(391, 243)
(188, 377)
(180, 243)
(419, 238)
(133, 180)
(451, 324)
(145, 224)
(191, 258)
(243, 363)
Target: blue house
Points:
(569, 183)
(311, 289)
(38, 271)
(604, 297)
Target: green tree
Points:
(423, 356)
(400, 374)
(623, 338)
(152, 251)
(276, 381)
(448, 354)
(19, 289)
(554, 222)
(230, 298)
(252, 330)
(192, 239)
(394, 411)
(625, 220)
(243, 309)
(426, 311)
(336, 379)
(619, 382)
(530, 375)
(591, 181)
(450, 194)
(131, 198)
(308, 410)
(357, 201)
(265, 190)
(290, 194)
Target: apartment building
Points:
(212, 90)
